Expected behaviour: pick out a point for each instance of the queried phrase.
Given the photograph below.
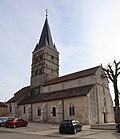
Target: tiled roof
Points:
(72, 76)
(2, 104)
(67, 93)
(19, 94)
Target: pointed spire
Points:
(45, 38)
(46, 42)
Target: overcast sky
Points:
(85, 32)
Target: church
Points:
(82, 95)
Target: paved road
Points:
(18, 135)
(49, 131)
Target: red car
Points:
(16, 122)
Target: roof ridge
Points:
(81, 71)
(19, 94)
(22, 89)
(74, 75)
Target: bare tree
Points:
(112, 74)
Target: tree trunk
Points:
(116, 102)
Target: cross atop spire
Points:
(46, 37)
(46, 12)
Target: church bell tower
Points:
(45, 59)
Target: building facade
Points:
(3, 109)
(13, 109)
(83, 95)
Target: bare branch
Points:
(117, 64)
(118, 73)
(110, 70)
(117, 68)
(109, 75)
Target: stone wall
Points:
(3, 111)
(70, 84)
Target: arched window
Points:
(36, 72)
(105, 102)
(39, 111)
(24, 110)
(54, 111)
(41, 57)
(71, 110)
(10, 109)
(41, 70)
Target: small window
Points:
(40, 71)
(105, 102)
(53, 111)
(24, 110)
(71, 110)
(36, 91)
(52, 57)
(10, 109)
(39, 112)
(41, 57)
(36, 72)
